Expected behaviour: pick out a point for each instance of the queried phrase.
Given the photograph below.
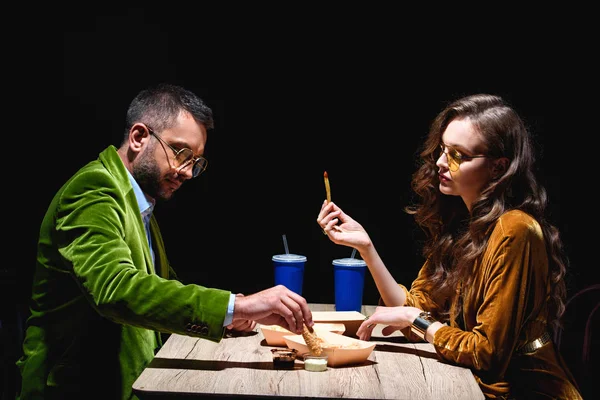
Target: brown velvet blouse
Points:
(504, 308)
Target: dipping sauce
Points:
(284, 358)
(315, 363)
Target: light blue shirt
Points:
(146, 206)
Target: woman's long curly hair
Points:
(455, 238)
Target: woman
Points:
(492, 289)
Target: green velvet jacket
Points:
(98, 303)
(505, 307)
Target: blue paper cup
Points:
(289, 271)
(349, 281)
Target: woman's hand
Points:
(395, 318)
(342, 229)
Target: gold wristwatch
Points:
(421, 323)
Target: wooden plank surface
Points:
(242, 366)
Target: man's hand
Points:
(274, 306)
(241, 325)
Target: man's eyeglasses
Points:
(184, 157)
(455, 158)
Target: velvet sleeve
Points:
(102, 246)
(424, 296)
(509, 285)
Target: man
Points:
(103, 288)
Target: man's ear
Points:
(138, 135)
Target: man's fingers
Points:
(292, 314)
(302, 307)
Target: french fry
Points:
(312, 341)
(328, 192)
(327, 188)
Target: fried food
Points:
(326, 345)
(328, 192)
(312, 341)
(327, 188)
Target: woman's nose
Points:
(442, 160)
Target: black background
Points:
(295, 93)
(293, 96)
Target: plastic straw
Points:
(353, 253)
(287, 251)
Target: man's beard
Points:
(147, 174)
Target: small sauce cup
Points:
(284, 358)
(315, 363)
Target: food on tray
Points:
(326, 345)
(312, 341)
(278, 328)
(339, 349)
(274, 333)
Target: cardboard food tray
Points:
(358, 353)
(350, 319)
(274, 333)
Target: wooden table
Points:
(242, 367)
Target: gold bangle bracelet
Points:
(421, 324)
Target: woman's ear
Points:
(500, 166)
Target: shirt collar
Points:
(145, 203)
